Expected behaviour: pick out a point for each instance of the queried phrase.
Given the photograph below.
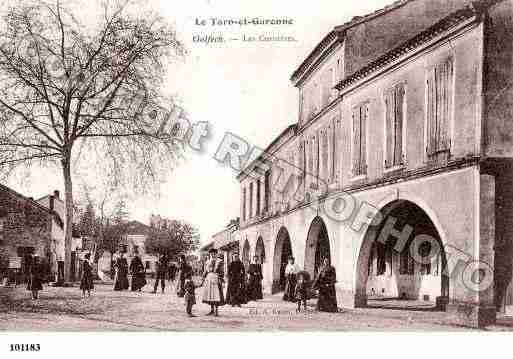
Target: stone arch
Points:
(282, 249)
(260, 249)
(423, 221)
(317, 246)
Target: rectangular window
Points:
(359, 152)
(439, 108)
(394, 120)
(325, 154)
(243, 204)
(267, 190)
(258, 197)
(2, 221)
(327, 80)
(250, 209)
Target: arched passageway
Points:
(282, 250)
(317, 246)
(245, 254)
(405, 273)
(260, 250)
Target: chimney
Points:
(56, 194)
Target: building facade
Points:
(25, 231)
(399, 167)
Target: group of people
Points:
(136, 268)
(297, 286)
(241, 288)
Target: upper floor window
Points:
(359, 151)
(394, 126)
(267, 190)
(258, 197)
(250, 209)
(438, 108)
(243, 204)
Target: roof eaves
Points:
(443, 25)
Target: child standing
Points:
(190, 296)
(301, 290)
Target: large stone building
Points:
(25, 231)
(399, 168)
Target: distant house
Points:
(25, 230)
(134, 242)
(56, 205)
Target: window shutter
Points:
(356, 141)
(398, 130)
(389, 126)
(363, 139)
(446, 75)
(430, 113)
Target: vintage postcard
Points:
(214, 165)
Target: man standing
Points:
(235, 293)
(160, 273)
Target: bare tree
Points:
(66, 85)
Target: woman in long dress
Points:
(236, 293)
(325, 283)
(86, 283)
(212, 294)
(35, 283)
(290, 280)
(138, 274)
(255, 280)
(121, 278)
(184, 272)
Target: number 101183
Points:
(24, 347)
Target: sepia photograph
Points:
(236, 166)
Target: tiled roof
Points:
(339, 31)
(388, 57)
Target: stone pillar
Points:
(473, 303)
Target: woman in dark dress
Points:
(255, 280)
(138, 274)
(35, 283)
(184, 272)
(325, 283)
(86, 283)
(121, 279)
(235, 293)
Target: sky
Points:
(240, 87)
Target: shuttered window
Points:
(250, 209)
(243, 204)
(359, 119)
(258, 197)
(439, 105)
(394, 120)
(325, 155)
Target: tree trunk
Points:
(68, 195)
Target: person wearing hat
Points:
(184, 273)
(121, 277)
(138, 273)
(35, 283)
(291, 271)
(86, 283)
(325, 283)
(255, 280)
(212, 283)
